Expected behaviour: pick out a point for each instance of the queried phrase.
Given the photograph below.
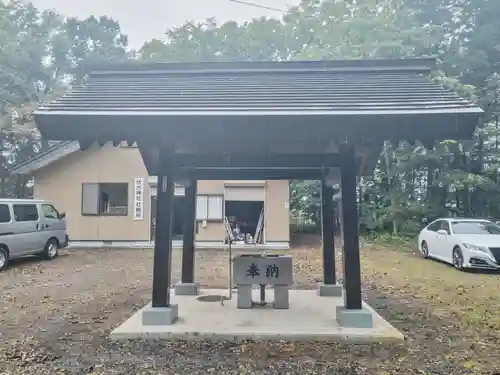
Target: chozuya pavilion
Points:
(323, 120)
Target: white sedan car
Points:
(464, 243)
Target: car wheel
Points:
(51, 249)
(425, 250)
(4, 258)
(458, 258)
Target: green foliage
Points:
(23, 40)
(387, 240)
(305, 201)
(304, 228)
(40, 52)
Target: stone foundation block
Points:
(361, 318)
(187, 289)
(160, 316)
(244, 297)
(330, 290)
(281, 296)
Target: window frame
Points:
(50, 205)
(208, 218)
(25, 204)
(446, 227)
(99, 202)
(475, 222)
(437, 222)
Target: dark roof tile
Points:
(330, 87)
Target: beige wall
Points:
(214, 230)
(277, 212)
(61, 183)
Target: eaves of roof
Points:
(51, 155)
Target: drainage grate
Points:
(212, 298)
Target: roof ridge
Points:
(302, 66)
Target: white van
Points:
(30, 227)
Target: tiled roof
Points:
(329, 87)
(52, 154)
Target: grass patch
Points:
(474, 297)
(451, 319)
(392, 242)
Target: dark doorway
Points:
(246, 214)
(178, 217)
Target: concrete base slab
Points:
(159, 316)
(362, 318)
(309, 317)
(187, 289)
(330, 290)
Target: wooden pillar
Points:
(188, 241)
(163, 234)
(351, 260)
(328, 233)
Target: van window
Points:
(49, 211)
(4, 213)
(25, 212)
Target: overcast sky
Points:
(143, 20)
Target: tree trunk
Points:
(389, 185)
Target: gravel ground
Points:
(55, 318)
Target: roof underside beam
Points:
(251, 174)
(256, 161)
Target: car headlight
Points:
(475, 247)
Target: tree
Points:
(40, 54)
(258, 40)
(24, 80)
(357, 30)
(24, 39)
(78, 43)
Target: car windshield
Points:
(475, 227)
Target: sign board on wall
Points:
(138, 198)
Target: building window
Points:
(25, 212)
(108, 199)
(4, 213)
(209, 207)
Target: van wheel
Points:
(51, 249)
(4, 258)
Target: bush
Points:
(387, 239)
(304, 228)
